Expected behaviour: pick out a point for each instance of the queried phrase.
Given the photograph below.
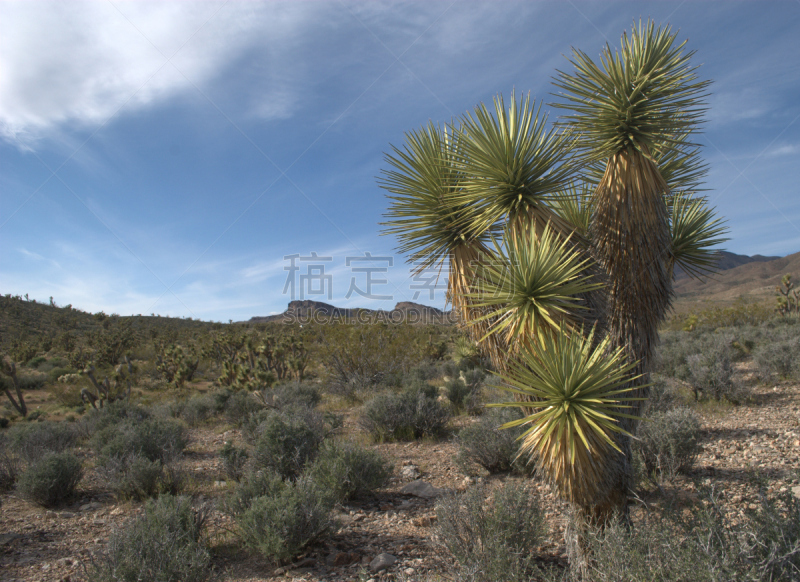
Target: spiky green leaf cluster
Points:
(644, 97)
(511, 161)
(424, 214)
(695, 231)
(532, 282)
(578, 389)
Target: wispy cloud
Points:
(64, 63)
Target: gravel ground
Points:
(39, 544)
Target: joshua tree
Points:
(594, 215)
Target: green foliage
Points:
(483, 444)
(31, 441)
(778, 359)
(360, 357)
(464, 393)
(280, 525)
(668, 442)
(234, 460)
(162, 545)
(134, 476)
(788, 298)
(348, 470)
(492, 541)
(285, 442)
(177, 365)
(10, 464)
(153, 438)
(51, 480)
(405, 416)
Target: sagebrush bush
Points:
(404, 416)
(775, 538)
(134, 476)
(196, 409)
(111, 415)
(485, 444)
(252, 485)
(238, 406)
(655, 550)
(163, 545)
(492, 539)
(296, 394)
(349, 470)
(160, 439)
(10, 464)
(32, 441)
(234, 460)
(711, 371)
(51, 480)
(284, 443)
(134, 460)
(777, 360)
(281, 524)
(668, 441)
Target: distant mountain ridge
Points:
(307, 310)
(753, 277)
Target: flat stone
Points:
(421, 489)
(381, 562)
(796, 491)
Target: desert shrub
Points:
(112, 414)
(134, 476)
(349, 470)
(154, 439)
(134, 459)
(663, 396)
(163, 545)
(32, 441)
(36, 361)
(234, 460)
(486, 445)
(281, 524)
(10, 464)
(252, 485)
(417, 386)
(404, 416)
(667, 442)
(296, 394)
(285, 443)
(55, 373)
(491, 542)
(51, 480)
(658, 550)
(425, 371)
(239, 406)
(777, 360)
(66, 394)
(464, 392)
(775, 538)
(711, 371)
(31, 381)
(196, 409)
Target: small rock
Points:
(409, 571)
(93, 506)
(410, 472)
(796, 491)
(424, 521)
(421, 489)
(381, 562)
(220, 483)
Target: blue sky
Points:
(166, 157)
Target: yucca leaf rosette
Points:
(433, 224)
(695, 231)
(578, 389)
(533, 284)
(512, 163)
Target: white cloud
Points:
(65, 63)
(783, 150)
